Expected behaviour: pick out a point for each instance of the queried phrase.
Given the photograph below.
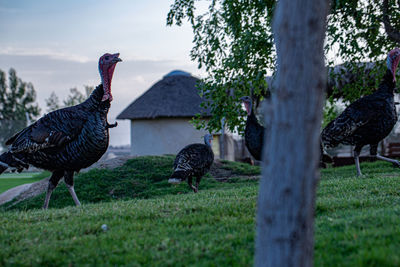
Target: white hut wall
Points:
(163, 136)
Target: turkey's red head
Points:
(107, 64)
(393, 61)
(247, 104)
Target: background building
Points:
(160, 117)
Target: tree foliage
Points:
(357, 32)
(234, 43)
(74, 98)
(17, 105)
(53, 102)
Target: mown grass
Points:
(357, 222)
(138, 178)
(10, 180)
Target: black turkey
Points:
(369, 119)
(254, 132)
(66, 140)
(193, 160)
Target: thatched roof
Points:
(176, 95)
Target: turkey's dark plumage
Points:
(368, 120)
(71, 138)
(193, 160)
(254, 132)
(65, 140)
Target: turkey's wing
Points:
(53, 130)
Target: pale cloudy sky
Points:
(56, 45)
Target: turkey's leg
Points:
(395, 162)
(53, 182)
(69, 182)
(357, 151)
(191, 185)
(197, 184)
(373, 150)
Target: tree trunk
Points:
(286, 202)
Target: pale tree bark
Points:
(285, 218)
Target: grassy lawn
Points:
(10, 180)
(150, 222)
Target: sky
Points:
(55, 45)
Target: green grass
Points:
(138, 178)
(10, 180)
(153, 223)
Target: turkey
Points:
(66, 140)
(193, 160)
(254, 132)
(369, 119)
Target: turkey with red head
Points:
(369, 119)
(66, 140)
(194, 160)
(254, 132)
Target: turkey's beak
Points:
(116, 58)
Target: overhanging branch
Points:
(392, 33)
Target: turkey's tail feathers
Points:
(7, 160)
(324, 157)
(177, 177)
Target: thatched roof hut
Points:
(160, 118)
(175, 96)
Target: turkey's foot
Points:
(395, 163)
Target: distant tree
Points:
(52, 103)
(18, 105)
(74, 98)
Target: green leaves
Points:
(233, 42)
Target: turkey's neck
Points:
(252, 117)
(95, 98)
(207, 143)
(387, 84)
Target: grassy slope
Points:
(356, 221)
(10, 180)
(142, 177)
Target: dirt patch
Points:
(109, 163)
(217, 170)
(25, 191)
(222, 174)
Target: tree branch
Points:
(392, 33)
